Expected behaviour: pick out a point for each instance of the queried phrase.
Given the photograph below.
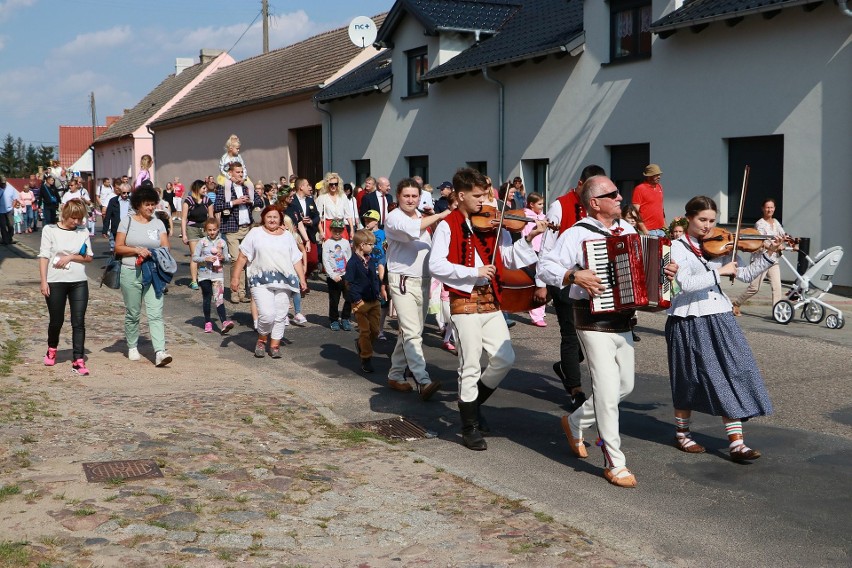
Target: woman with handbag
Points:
(195, 210)
(65, 251)
(137, 235)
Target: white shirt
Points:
(330, 209)
(699, 281)
(272, 260)
(56, 242)
(408, 246)
(567, 254)
(105, 193)
(244, 215)
(79, 194)
(464, 278)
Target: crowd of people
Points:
(381, 251)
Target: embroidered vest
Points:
(465, 243)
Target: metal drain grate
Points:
(397, 428)
(127, 469)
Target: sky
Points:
(54, 53)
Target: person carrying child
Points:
(336, 252)
(211, 251)
(364, 290)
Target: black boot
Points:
(367, 364)
(470, 428)
(484, 393)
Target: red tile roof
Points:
(73, 141)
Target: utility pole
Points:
(94, 118)
(265, 26)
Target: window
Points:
(418, 65)
(418, 166)
(765, 156)
(362, 171)
(534, 174)
(630, 29)
(626, 164)
(481, 167)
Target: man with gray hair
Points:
(379, 200)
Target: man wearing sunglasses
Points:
(606, 338)
(116, 210)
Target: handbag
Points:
(112, 274)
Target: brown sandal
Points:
(688, 445)
(578, 448)
(742, 453)
(621, 478)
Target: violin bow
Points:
(740, 215)
(499, 229)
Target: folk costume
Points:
(457, 254)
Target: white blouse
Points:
(330, 209)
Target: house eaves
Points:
(372, 76)
(699, 14)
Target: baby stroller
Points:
(808, 290)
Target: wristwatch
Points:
(571, 277)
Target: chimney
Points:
(208, 55)
(182, 63)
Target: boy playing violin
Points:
(471, 264)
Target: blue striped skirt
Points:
(712, 369)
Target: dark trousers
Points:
(335, 289)
(77, 294)
(207, 299)
(569, 347)
(51, 216)
(7, 229)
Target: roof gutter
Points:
(501, 123)
(330, 139)
(731, 15)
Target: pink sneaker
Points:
(79, 367)
(541, 323)
(208, 327)
(227, 326)
(50, 357)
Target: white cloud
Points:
(8, 7)
(95, 41)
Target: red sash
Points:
(465, 243)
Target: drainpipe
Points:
(843, 8)
(501, 123)
(328, 114)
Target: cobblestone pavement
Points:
(252, 472)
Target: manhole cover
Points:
(398, 428)
(127, 469)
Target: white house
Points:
(541, 88)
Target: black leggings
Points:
(206, 299)
(77, 294)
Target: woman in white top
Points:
(332, 204)
(711, 367)
(771, 228)
(274, 274)
(65, 250)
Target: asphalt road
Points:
(789, 508)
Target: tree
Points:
(8, 157)
(45, 155)
(31, 161)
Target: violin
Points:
(720, 242)
(488, 218)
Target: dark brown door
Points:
(309, 153)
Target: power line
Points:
(246, 31)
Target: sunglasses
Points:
(333, 184)
(610, 195)
(126, 193)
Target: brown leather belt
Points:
(610, 322)
(481, 301)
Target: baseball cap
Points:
(445, 185)
(372, 214)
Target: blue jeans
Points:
(657, 233)
(30, 218)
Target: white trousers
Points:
(610, 359)
(774, 275)
(272, 307)
(411, 299)
(477, 332)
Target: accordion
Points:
(631, 268)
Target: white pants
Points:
(610, 359)
(477, 332)
(411, 307)
(272, 307)
(774, 275)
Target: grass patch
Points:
(164, 499)
(226, 555)
(543, 517)
(114, 482)
(10, 350)
(84, 512)
(14, 554)
(8, 490)
(28, 439)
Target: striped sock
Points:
(734, 430)
(682, 424)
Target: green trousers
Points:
(134, 294)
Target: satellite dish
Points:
(362, 31)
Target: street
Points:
(789, 508)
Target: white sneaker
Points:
(163, 358)
(133, 354)
(300, 320)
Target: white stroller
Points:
(808, 290)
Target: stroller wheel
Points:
(834, 321)
(782, 311)
(813, 312)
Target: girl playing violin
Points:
(711, 366)
(772, 228)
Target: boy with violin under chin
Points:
(471, 263)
